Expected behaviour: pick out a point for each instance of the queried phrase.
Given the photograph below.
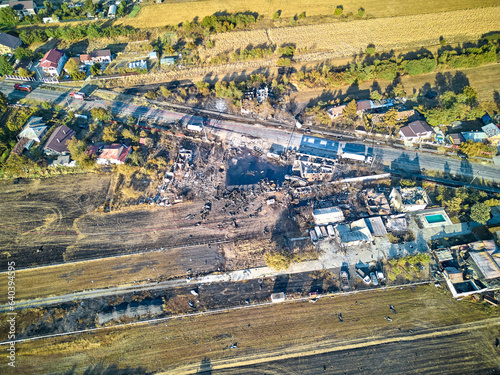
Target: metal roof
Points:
(486, 264)
(376, 226)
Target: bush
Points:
(283, 62)
(278, 260)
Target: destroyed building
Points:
(376, 202)
(470, 269)
(408, 199)
(354, 234)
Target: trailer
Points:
(20, 87)
(312, 234)
(330, 230)
(318, 232)
(324, 233)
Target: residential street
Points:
(411, 162)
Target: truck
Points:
(77, 95)
(20, 87)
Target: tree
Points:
(5, 65)
(101, 114)
(165, 92)
(121, 9)
(390, 118)
(128, 134)
(277, 15)
(471, 148)
(480, 212)
(48, 7)
(361, 12)
(8, 16)
(3, 102)
(454, 204)
(78, 150)
(72, 67)
(339, 10)
(24, 73)
(375, 95)
(169, 50)
(95, 69)
(351, 110)
(407, 183)
(22, 53)
(110, 134)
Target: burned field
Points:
(74, 218)
(164, 302)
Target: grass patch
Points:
(135, 11)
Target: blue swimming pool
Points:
(433, 219)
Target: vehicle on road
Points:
(77, 95)
(20, 87)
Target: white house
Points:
(53, 62)
(416, 131)
(34, 130)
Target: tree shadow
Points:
(100, 369)
(205, 367)
(281, 283)
(406, 164)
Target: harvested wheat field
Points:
(349, 38)
(174, 12)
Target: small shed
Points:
(278, 297)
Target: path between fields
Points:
(329, 346)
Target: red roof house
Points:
(114, 154)
(53, 62)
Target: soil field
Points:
(296, 328)
(351, 38)
(38, 217)
(463, 353)
(55, 220)
(174, 12)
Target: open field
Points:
(350, 38)
(174, 12)
(261, 333)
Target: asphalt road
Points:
(410, 162)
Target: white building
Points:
(324, 216)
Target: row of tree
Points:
(389, 69)
(94, 30)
